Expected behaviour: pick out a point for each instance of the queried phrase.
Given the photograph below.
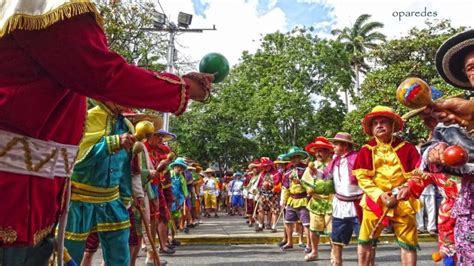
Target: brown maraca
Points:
(391, 202)
(415, 93)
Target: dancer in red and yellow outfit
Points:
(382, 165)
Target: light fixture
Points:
(184, 20)
(159, 20)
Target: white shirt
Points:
(236, 188)
(210, 186)
(343, 186)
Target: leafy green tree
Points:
(396, 60)
(285, 94)
(123, 23)
(359, 39)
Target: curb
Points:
(270, 240)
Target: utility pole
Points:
(163, 25)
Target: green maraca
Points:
(216, 64)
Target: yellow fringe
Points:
(65, 11)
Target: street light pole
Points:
(169, 69)
(173, 29)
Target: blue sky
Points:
(241, 23)
(297, 12)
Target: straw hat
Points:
(319, 143)
(382, 111)
(450, 59)
(296, 151)
(343, 137)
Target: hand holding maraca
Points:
(416, 93)
(455, 107)
(452, 156)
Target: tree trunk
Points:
(357, 80)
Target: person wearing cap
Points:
(268, 192)
(211, 191)
(57, 56)
(319, 205)
(455, 64)
(382, 167)
(235, 188)
(294, 194)
(346, 213)
(250, 190)
(101, 186)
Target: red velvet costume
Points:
(44, 78)
(163, 183)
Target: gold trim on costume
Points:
(103, 227)
(92, 188)
(41, 234)
(182, 103)
(8, 235)
(86, 193)
(94, 199)
(25, 21)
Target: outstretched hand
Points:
(199, 85)
(446, 111)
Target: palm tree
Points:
(359, 40)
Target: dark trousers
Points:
(28, 256)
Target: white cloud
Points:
(238, 27)
(346, 12)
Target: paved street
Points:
(229, 241)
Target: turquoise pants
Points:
(114, 245)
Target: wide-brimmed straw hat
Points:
(279, 160)
(137, 117)
(264, 162)
(179, 162)
(254, 164)
(319, 143)
(450, 59)
(295, 151)
(209, 170)
(343, 137)
(382, 111)
(167, 136)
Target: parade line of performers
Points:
(72, 178)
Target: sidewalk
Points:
(227, 230)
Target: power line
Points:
(162, 10)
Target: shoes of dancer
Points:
(167, 251)
(176, 243)
(282, 243)
(149, 262)
(311, 257)
(286, 247)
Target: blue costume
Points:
(99, 180)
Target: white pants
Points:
(429, 206)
